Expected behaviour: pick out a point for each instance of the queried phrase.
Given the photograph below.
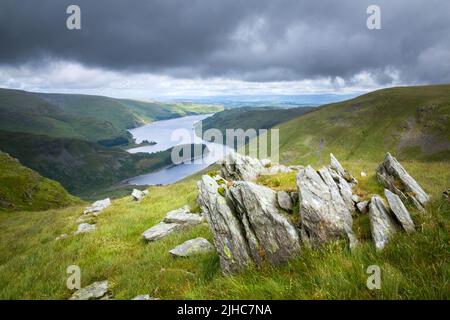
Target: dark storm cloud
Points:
(253, 40)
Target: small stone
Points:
(363, 174)
(85, 228)
(63, 236)
(285, 201)
(363, 206)
(160, 231)
(355, 198)
(96, 290)
(145, 297)
(446, 194)
(400, 211)
(192, 247)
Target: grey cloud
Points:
(252, 40)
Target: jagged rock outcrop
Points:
(183, 216)
(160, 231)
(192, 247)
(269, 234)
(138, 195)
(395, 178)
(238, 167)
(98, 206)
(400, 211)
(324, 215)
(382, 225)
(85, 228)
(227, 230)
(95, 291)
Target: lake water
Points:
(166, 134)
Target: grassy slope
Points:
(87, 117)
(251, 118)
(411, 122)
(24, 189)
(413, 266)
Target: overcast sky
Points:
(154, 48)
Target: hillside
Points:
(25, 190)
(82, 167)
(85, 117)
(412, 122)
(251, 118)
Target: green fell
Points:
(22, 189)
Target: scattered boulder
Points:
(192, 247)
(145, 297)
(229, 240)
(85, 228)
(363, 206)
(381, 223)
(95, 291)
(160, 231)
(363, 174)
(138, 195)
(400, 211)
(395, 178)
(183, 216)
(268, 232)
(285, 201)
(98, 206)
(324, 214)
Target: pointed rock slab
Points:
(324, 214)
(227, 230)
(85, 228)
(381, 223)
(98, 206)
(285, 201)
(160, 231)
(192, 247)
(395, 178)
(268, 232)
(400, 211)
(96, 290)
(336, 166)
(183, 216)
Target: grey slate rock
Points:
(96, 290)
(192, 247)
(400, 211)
(382, 224)
(160, 231)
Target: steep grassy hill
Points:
(251, 118)
(24, 189)
(412, 122)
(86, 117)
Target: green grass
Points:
(24, 189)
(413, 266)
